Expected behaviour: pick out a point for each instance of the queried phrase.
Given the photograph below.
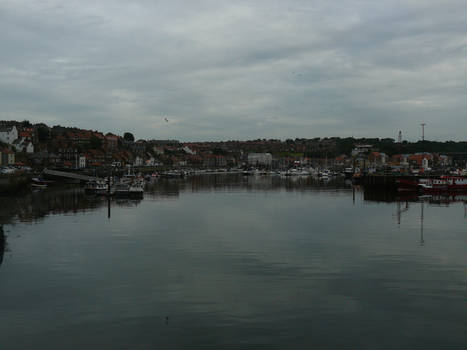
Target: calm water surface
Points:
(233, 262)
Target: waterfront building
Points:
(8, 157)
(138, 161)
(260, 159)
(82, 162)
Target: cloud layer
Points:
(237, 70)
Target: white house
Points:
(23, 145)
(188, 150)
(8, 134)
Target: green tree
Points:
(128, 136)
(95, 142)
(43, 133)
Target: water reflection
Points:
(236, 266)
(2, 244)
(36, 205)
(235, 182)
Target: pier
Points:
(68, 175)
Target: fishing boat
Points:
(96, 187)
(125, 188)
(443, 184)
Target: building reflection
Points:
(36, 205)
(233, 182)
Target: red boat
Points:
(443, 184)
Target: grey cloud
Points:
(236, 70)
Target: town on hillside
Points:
(24, 145)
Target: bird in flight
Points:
(166, 120)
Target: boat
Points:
(125, 188)
(97, 186)
(172, 174)
(39, 182)
(348, 173)
(443, 184)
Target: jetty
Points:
(68, 175)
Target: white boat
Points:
(98, 186)
(125, 188)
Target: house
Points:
(188, 150)
(138, 161)
(377, 158)
(8, 157)
(23, 145)
(111, 141)
(8, 134)
(421, 160)
(158, 150)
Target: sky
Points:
(223, 70)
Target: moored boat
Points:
(443, 184)
(39, 182)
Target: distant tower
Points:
(399, 138)
(423, 131)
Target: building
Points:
(260, 159)
(111, 141)
(139, 161)
(361, 149)
(8, 134)
(377, 158)
(188, 150)
(82, 162)
(23, 145)
(8, 157)
(214, 161)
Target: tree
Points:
(26, 124)
(43, 133)
(95, 142)
(128, 136)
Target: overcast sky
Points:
(217, 70)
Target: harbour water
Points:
(228, 262)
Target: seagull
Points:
(166, 120)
